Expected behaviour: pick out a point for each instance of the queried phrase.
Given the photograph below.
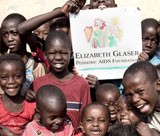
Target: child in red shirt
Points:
(51, 107)
(15, 112)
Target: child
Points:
(127, 114)
(42, 31)
(75, 87)
(142, 89)
(17, 44)
(150, 41)
(51, 107)
(95, 4)
(108, 94)
(15, 112)
(95, 120)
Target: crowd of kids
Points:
(41, 93)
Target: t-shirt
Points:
(16, 122)
(76, 90)
(34, 129)
(154, 120)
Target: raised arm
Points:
(34, 22)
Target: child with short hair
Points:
(150, 41)
(51, 107)
(108, 94)
(95, 4)
(76, 89)
(94, 120)
(42, 31)
(127, 114)
(15, 112)
(142, 89)
(17, 44)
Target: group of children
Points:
(42, 95)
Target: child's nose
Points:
(58, 56)
(10, 80)
(135, 98)
(10, 37)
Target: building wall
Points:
(29, 8)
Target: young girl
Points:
(15, 112)
(51, 107)
(16, 43)
(94, 120)
(127, 114)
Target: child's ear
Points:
(158, 85)
(36, 115)
(81, 128)
(71, 55)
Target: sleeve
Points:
(28, 130)
(85, 95)
(69, 130)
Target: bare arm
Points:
(34, 22)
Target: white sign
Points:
(105, 42)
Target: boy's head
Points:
(95, 119)
(12, 74)
(10, 35)
(42, 31)
(127, 114)
(108, 94)
(51, 106)
(60, 24)
(150, 37)
(95, 4)
(58, 52)
(142, 86)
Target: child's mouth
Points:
(143, 108)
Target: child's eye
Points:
(102, 120)
(4, 34)
(15, 33)
(3, 78)
(88, 119)
(18, 76)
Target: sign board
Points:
(105, 42)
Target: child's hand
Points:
(70, 6)
(143, 129)
(5, 131)
(30, 95)
(143, 56)
(92, 81)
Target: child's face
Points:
(10, 35)
(95, 4)
(60, 24)
(110, 100)
(52, 115)
(126, 113)
(141, 93)
(95, 121)
(149, 40)
(58, 55)
(42, 31)
(11, 78)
